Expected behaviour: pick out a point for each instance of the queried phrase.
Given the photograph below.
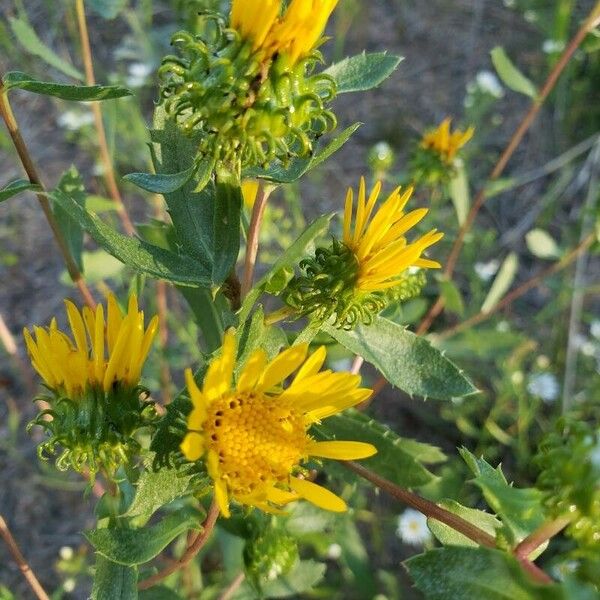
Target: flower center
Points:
(258, 440)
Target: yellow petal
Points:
(281, 497)
(339, 450)
(77, 326)
(312, 365)
(319, 496)
(252, 371)
(282, 366)
(218, 377)
(338, 405)
(192, 446)
(114, 318)
(99, 344)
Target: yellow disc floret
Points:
(254, 436)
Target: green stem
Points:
(541, 535)
(279, 315)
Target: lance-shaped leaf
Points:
(478, 574)
(161, 183)
(135, 253)
(510, 74)
(113, 581)
(226, 228)
(16, 187)
(406, 360)
(397, 459)
(363, 71)
(136, 546)
(77, 93)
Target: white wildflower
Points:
(595, 329)
(489, 84)
(334, 551)
(485, 271)
(544, 386)
(138, 74)
(73, 120)
(412, 528)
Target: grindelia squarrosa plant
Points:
(249, 481)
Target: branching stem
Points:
(195, 546)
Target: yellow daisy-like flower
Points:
(295, 33)
(378, 237)
(444, 142)
(104, 351)
(254, 435)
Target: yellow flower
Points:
(254, 435)
(73, 366)
(444, 142)
(377, 239)
(249, 192)
(295, 33)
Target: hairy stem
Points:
(191, 551)
(90, 79)
(18, 557)
(27, 162)
(592, 21)
(428, 508)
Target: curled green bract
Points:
(249, 111)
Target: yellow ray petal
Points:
(341, 450)
(338, 405)
(311, 366)
(114, 318)
(77, 326)
(319, 496)
(281, 497)
(192, 446)
(283, 365)
(252, 371)
(218, 377)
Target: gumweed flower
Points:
(253, 436)
(434, 160)
(246, 89)
(295, 34)
(93, 382)
(354, 279)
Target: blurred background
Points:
(525, 359)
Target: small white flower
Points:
(69, 585)
(489, 83)
(595, 329)
(66, 553)
(544, 385)
(503, 326)
(74, 120)
(542, 361)
(485, 271)
(553, 46)
(412, 528)
(138, 74)
(334, 551)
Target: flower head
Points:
(444, 142)
(94, 401)
(295, 33)
(102, 353)
(254, 435)
(377, 238)
(412, 527)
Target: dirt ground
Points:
(445, 43)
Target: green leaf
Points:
(161, 183)
(502, 282)
(453, 300)
(510, 75)
(226, 229)
(77, 93)
(298, 167)
(475, 574)
(253, 334)
(287, 260)
(99, 265)
(393, 460)
(450, 537)
(16, 187)
(29, 39)
(460, 193)
(99, 204)
(405, 359)
(108, 9)
(154, 489)
(542, 244)
(113, 581)
(159, 592)
(191, 206)
(363, 71)
(71, 184)
(135, 253)
(136, 546)
(521, 510)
